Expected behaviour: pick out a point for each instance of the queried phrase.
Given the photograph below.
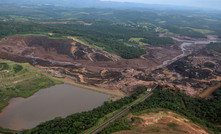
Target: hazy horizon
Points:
(200, 4)
(214, 4)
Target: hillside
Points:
(161, 68)
(191, 114)
(162, 122)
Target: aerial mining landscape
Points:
(109, 67)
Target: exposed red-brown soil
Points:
(86, 65)
(90, 66)
(163, 123)
(192, 74)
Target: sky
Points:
(192, 3)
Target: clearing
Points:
(162, 122)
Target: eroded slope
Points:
(166, 66)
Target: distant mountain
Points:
(98, 4)
(51, 2)
(76, 3)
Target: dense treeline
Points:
(160, 18)
(201, 111)
(176, 23)
(215, 47)
(158, 41)
(106, 29)
(116, 126)
(117, 47)
(12, 28)
(79, 122)
(184, 31)
(204, 112)
(111, 26)
(108, 40)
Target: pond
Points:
(46, 104)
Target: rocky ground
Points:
(89, 66)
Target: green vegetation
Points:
(137, 41)
(200, 111)
(17, 68)
(136, 22)
(215, 47)
(3, 66)
(153, 41)
(203, 31)
(20, 80)
(108, 29)
(79, 122)
(28, 28)
(158, 41)
(6, 131)
(117, 47)
(93, 35)
(183, 31)
(117, 125)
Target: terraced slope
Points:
(82, 63)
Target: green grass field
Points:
(137, 41)
(20, 80)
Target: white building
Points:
(149, 89)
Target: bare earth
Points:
(163, 123)
(72, 60)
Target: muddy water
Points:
(184, 47)
(46, 104)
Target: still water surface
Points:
(46, 104)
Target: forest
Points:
(109, 29)
(184, 31)
(201, 111)
(158, 41)
(181, 23)
(108, 41)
